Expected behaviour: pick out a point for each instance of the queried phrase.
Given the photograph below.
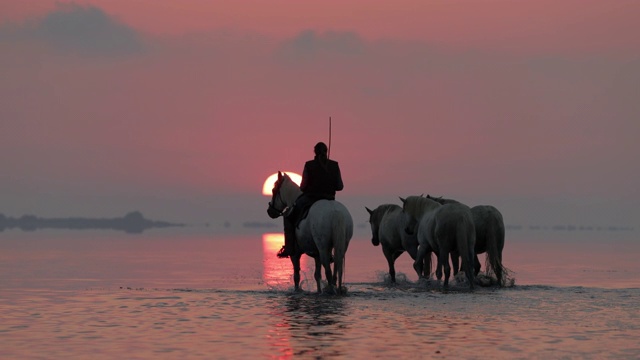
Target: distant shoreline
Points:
(133, 222)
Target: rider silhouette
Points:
(321, 179)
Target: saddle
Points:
(301, 209)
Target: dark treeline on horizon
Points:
(133, 223)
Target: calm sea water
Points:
(167, 294)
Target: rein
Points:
(273, 210)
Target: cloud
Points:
(198, 103)
(309, 44)
(77, 29)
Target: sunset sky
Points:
(182, 109)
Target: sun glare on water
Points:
(268, 184)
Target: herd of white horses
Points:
(421, 226)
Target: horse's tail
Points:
(466, 239)
(495, 244)
(339, 235)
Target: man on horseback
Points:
(321, 179)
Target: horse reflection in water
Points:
(310, 326)
(327, 228)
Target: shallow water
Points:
(170, 295)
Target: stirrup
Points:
(283, 253)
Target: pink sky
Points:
(165, 102)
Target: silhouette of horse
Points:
(442, 229)
(328, 227)
(489, 238)
(388, 224)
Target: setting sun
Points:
(268, 184)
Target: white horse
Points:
(388, 224)
(442, 229)
(327, 227)
(490, 232)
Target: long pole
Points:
(329, 150)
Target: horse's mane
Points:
(384, 208)
(289, 187)
(287, 178)
(417, 206)
(378, 213)
(442, 201)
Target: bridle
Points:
(272, 210)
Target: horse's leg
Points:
(295, 260)
(325, 259)
(418, 264)
(499, 270)
(426, 272)
(334, 281)
(391, 259)
(496, 257)
(469, 258)
(426, 262)
(396, 255)
(318, 275)
(455, 262)
(470, 271)
(438, 267)
(412, 250)
(443, 258)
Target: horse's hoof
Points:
(329, 290)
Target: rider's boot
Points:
(289, 240)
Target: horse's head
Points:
(416, 207)
(409, 216)
(409, 224)
(283, 195)
(276, 205)
(375, 224)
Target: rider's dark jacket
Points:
(321, 179)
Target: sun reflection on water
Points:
(277, 273)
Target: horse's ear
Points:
(421, 195)
(279, 175)
(403, 200)
(369, 211)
